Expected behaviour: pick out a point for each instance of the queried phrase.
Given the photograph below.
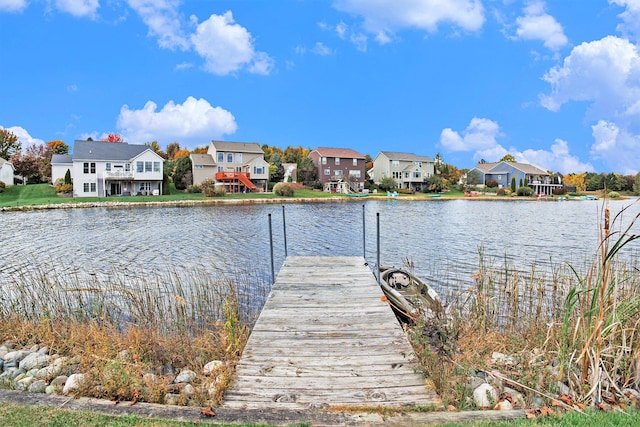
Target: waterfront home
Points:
(540, 180)
(238, 166)
(407, 169)
(7, 172)
(340, 170)
(100, 169)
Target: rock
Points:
(167, 370)
(185, 376)
(188, 390)
(43, 350)
(562, 388)
(34, 360)
(517, 398)
(59, 381)
(52, 389)
(485, 396)
(49, 372)
(211, 367)
(23, 384)
(15, 356)
(475, 382)
(73, 383)
(503, 405)
(172, 399)
(37, 386)
(501, 359)
(34, 348)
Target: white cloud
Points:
(228, 47)
(557, 159)
(383, 18)
(630, 18)
(600, 71)
(13, 5)
(618, 149)
(23, 136)
(163, 20)
(536, 24)
(321, 49)
(192, 122)
(79, 8)
(479, 135)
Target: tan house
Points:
(407, 169)
(238, 166)
(340, 170)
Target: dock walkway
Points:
(326, 337)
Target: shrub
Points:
(614, 195)
(406, 191)
(210, 189)
(560, 191)
(525, 191)
(2, 186)
(317, 185)
(501, 192)
(67, 177)
(283, 189)
(195, 188)
(61, 186)
(387, 183)
(492, 183)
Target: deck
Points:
(326, 338)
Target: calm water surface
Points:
(442, 238)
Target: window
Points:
(145, 187)
(89, 167)
(395, 162)
(419, 164)
(147, 166)
(139, 166)
(396, 175)
(258, 170)
(327, 172)
(406, 174)
(127, 167)
(85, 187)
(93, 187)
(238, 168)
(417, 175)
(324, 160)
(354, 173)
(220, 168)
(107, 167)
(355, 162)
(337, 173)
(239, 158)
(220, 157)
(89, 187)
(156, 166)
(337, 160)
(199, 166)
(229, 157)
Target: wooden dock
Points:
(326, 337)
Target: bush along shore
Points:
(548, 341)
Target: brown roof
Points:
(345, 153)
(238, 147)
(202, 159)
(407, 157)
(523, 167)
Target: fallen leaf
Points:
(208, 412)
(566, 399)
(451, 408)
(136, 396)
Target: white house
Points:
(100, 169)
(239, 166)
(6, 172)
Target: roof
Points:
(202, 159)
(238, 147)
(489, 168)
(408, 157)
(346, 153)
(61, 158)
(100, 150)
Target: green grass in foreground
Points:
(27, 416)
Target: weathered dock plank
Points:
(326, 338)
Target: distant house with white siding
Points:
(100, 169)
(7, 172)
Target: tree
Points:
(172, 149)
(636, 185)
(181, 153)
(294, 154)
(270, 151)
(58, 147)
(435, 184)
(183, 177)
(67, 177)
(112, 137)
(578, 180)
(156, 149)
(513, 184)
(9, 144)
(34, 164)
(276, 170)
(307, 171)
(473, 177)
(387, 183)
(596, 182)
(508, 158)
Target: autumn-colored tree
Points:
(295, 154)
(200, 150)
(58, 147)
(35, 164)
(307, 171)
(181, 153)
(9, 144)
(112, 137)
(156, 149)
(269, 151)
(508, 158)
(172, 149)
(578, 180)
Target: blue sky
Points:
(555, 83)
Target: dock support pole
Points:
(273, 274)
(364, 234)
(284, 226)
(378, 243)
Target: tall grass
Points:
(177, 318)
(572, 327)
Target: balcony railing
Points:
(118, 174)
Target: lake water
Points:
(442, 238)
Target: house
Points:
(408, 170)
(238, 166)
(100, 169)
(531, 176)
(6, 172)
(340, 170)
